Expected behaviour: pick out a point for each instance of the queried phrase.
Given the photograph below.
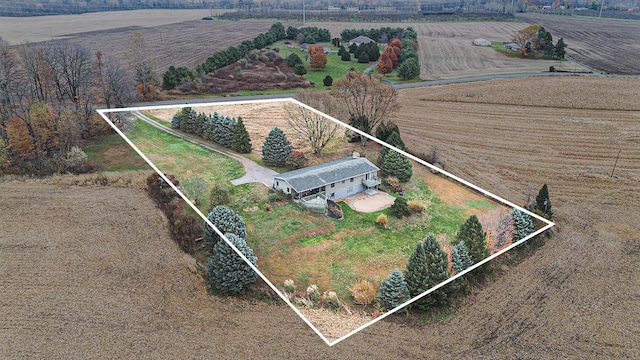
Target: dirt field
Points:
(43, 28)
(603, 44)
(83, 290)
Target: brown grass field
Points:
(607, 45)
(89, 271)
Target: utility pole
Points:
(601, 6)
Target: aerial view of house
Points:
(334, 179)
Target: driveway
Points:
(254, 173)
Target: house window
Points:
(333, 185)
(343, 181)
(332, 195)
(288, 190)
(349, 189)
(277, 183)
(351, 180)
(366, 177)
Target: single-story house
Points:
(512, 46)
(361, 40)
(334, 179)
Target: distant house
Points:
(512, 46)
(332, 180)
(361, 40)
(305, 47)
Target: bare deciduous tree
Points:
(8, 73)
(317, 129)
(143, 68)
(367, 98)
(115, 85)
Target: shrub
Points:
(363, 58)
(327, 81)
(382, 221)
(289, 286)
(416, 207)
(299, 69)
(228, 272)
(219, 195)
(295, 160)
(363, 293)
(399, 208)
(313, 292)
(394, 291)
(346, 56)
(75, 158)
(394, 184)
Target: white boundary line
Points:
(550, 224)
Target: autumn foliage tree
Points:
(395, 58)
(385, 65)
(318, 57)
(19, 138)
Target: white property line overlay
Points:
(549, 225)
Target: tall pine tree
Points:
(241, 139)
(427, 267)
(460, 257)
(228, 272)
(397, 165)
(276, 148)
(543, 203)
(473, 236)
(393, 139)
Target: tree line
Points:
(47, 96)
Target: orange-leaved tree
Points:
(318, 57)
(392, 55)
(19, 138)
(385, 65)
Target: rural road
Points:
(253, 172)
(399, 86)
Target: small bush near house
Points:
(383, 221)
(400, 208)
(363, 293)
(416, 207)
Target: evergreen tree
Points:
(523, 225)
(276, 148)
(473, 236)
(559, 51)
(394, 291)
(543, 203)
(228, 272)
(392, 138)
(293, 60)
(175, 122)
(346, 56)
(299, 69)
(227, 221)
(241, 139)
(409, 69)
(201, 119)
(397, 165)
(209, 127)
(427, 267)
(400, 208)
(226, 130)
(460, 257)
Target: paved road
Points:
(254, 173)
(399, 86)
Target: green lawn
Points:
(290, 242)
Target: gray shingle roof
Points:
(361, 39)
(324, 174)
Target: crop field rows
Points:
(607, 45)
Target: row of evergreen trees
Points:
(429, 265)
(224, 130)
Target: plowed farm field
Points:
(607, 45)
(90, 271)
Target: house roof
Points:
(316, 176)
(361, 39)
